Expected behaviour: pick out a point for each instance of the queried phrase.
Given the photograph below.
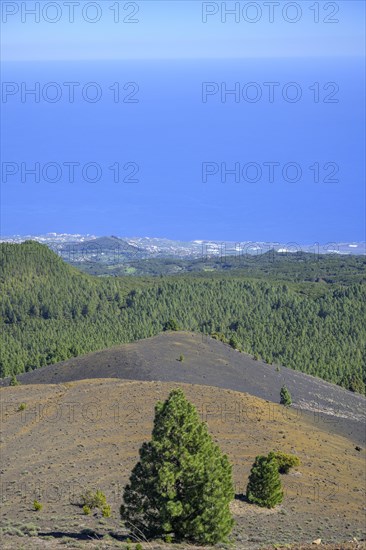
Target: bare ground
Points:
(86, 434)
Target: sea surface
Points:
(276, 168)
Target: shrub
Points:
(264, 486)
(93, 500)
(37, 506)
(285, 397)
(168, 538)
(181, 358)
(12, 531)
(285, 461)
(106, 511)
(86, 510)
(14, 381)
(182, 484)
(29, 529)
(138, 546)
(22, 407)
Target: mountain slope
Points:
(86, 435)
(210, 362)
(50, 312)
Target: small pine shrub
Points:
(138, 546)
(106, 511)
(285, 397)
(22, 407)
(168, 538)
(181, 358)
(264, 486)
(285, 461)
(86, 510)
(14, 380)
(37, 506)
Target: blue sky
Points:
(174, 29)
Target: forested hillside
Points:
(295, 267)
(50, 312)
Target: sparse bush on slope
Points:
(37, 506)
(93, 500)
(285, 461)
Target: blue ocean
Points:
(245, 149)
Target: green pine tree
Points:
(182, 484)
(14, 381)
(234, 342)
(285, 397)
(264, 486)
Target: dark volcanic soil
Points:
(74, 436)
(212, 363)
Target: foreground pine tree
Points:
(264, 486)
(182, 484)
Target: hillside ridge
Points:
(210, 362)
